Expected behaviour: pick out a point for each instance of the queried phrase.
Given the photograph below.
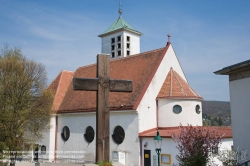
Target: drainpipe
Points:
(157, 114)
(140, 151)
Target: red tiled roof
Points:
(59, 87)
(138, 68)
(165, 131)
(175, 86)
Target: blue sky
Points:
(206, 35)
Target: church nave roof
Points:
(139, 68)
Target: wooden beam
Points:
(102, 121)
(121, 86)
(91, 84)
(88, 84)
(103, 85)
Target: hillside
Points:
(216, 113)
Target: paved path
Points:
(61, 164)
(49, 164)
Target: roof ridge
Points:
(68, 71)
(171, 81)
(116, 22)
(141, 67)
(131, 56)
(176, 87)
(152, 74)
(57, 89)
(195, 93)
(190, 88)
(86, 66)
(119, 24)
(182, 90)
(135, 55)
(63, 74)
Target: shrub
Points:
(105, 163)
(195, 145)
(232, 157)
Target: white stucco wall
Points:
(77, 124)
(240, 113)
(147, 107)
(169, 147)
(226, 144)
(134, 43)
(167, 118)
(49, 140)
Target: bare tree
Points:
(25, 103)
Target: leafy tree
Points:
(195, 144)
(220, 122)
(25, 103)
(206, 122)
(214, 122)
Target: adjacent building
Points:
(239, 85)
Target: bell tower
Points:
(120, 39)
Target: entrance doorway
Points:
(147, 158)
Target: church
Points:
(161, 100)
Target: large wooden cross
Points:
(103, 85)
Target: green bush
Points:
(105, 163)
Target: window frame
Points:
(65, 130)
(112, 40)
(175, 107)
(197, 109)
(119, 38)
(118, 135)
(89, 138)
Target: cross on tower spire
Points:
(120, 9)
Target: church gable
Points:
(59, 87)
(147, 105)
(176, 87)
(138, 68)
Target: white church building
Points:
(161, 100)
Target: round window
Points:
(89, 134)
(197, 109)
(177, 109)
(118, 135)
(65, 133)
